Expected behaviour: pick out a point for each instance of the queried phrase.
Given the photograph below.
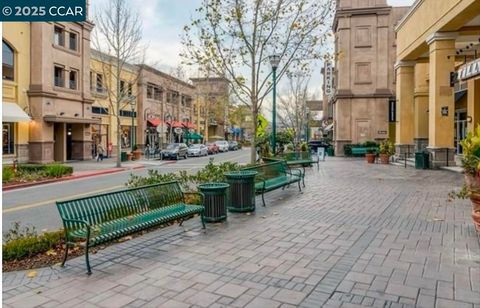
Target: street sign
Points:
(321, 153)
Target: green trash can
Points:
(421, 160)
(242, 190)
(214, 201)
(123, 156)
(330, 151)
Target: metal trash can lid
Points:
(213, 186)
(241, 174)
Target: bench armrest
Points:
(202, 196)
(295, 171)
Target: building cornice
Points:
(407, 16)
(441, 36)
(404, 64)
(346, 12)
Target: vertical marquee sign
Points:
(328, 78)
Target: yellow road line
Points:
(38, 204)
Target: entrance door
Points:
(460, 129)
(69, 141)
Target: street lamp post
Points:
(307, 126)
(274, 61)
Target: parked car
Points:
(197, 150)
(222, 145)
(175, 150)
(232, 145)
(212, 148)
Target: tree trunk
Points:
(119, 142)
(253, 149)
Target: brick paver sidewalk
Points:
(360, 235)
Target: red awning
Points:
(174, 124)
(155, 121)
(188, 125)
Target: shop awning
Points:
(174, 124)
(193, 136)
(11, 112)
(61, 119)
(154, 122)
(188, 125)
(459, 95)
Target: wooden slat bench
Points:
(105, 217)
(357, 151)
(274, 175)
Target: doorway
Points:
(69, 142)
(460, 129)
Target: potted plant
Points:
(471, 167)
(371, 155)
(137, 153)
(386, 150)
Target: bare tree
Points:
(292, 107)
(236, 37)
(117, 36)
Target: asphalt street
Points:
(35, 206)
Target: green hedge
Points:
(31, 167)
(57, 170)
(29, 246)
(7, 174)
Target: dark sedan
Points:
(175, 151)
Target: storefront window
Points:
(8, 139)
(99, 136)
(126, 136)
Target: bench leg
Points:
(181, 222)
(263, 199)
(202, 217)
(87, 260)
(303, 177)
(66, 254)
(299, 186)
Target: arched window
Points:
(7, 62)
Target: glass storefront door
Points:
(460, 129)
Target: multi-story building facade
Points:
(167, 105)
(59, 98)
(104, 90)
(437, 40)
(364, 78)
(15, 84)
(212, 96)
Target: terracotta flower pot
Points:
(384, 159)
(370, 158)
(476, 219)
(137, 154)
(129, 156)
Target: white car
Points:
(222, 145)
(198, 150)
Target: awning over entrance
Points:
(193, 136)
(11, 112)
(459, 95)
(188, 125)
(154, 122)
(175, 124)
(58, 119)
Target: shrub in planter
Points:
(471, 167)
(7, 174)
(386, 150)
(31, 167)
(23, 243)
(57, 170)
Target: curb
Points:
(68, 178)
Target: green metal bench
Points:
(274, 175)
(105, 217)
(357, 151)
(302, 159)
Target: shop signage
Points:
(328, 79)
(469, 70)
(178, 130)
(392, 110)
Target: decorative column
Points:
(421, 105)
(441, 107)
(473, 110)
(405, 108)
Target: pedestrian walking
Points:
(100, 152)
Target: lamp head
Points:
(274, 61)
